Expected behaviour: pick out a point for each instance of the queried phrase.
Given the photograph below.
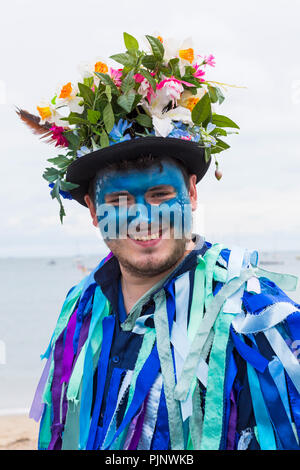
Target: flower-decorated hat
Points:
(159, 103)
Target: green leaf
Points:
(213, 94)
(108, 92)
(149, 61)
(144, 120)
(73, 140)
(174, 64)
(148, 77)
(194, 81)
(66, 185)
(124, 59)
(61, 161)
(104, 140)
(88, 81)
(130, 41)
(222, 145)
(128, 82)
(75, 118)
(93, 116)
(55, 190)
(53, 101)
(202, 110)
(207, 153)
(223, 121)
(220, 95)
(108, 118)
(107, 80)
(51, 174)
(126, 101)
(87, 94)
(218, 131)
(157, 47)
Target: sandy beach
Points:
(18, 433)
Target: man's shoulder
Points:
(263, 288)
(84, 284)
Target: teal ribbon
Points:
(265, 431)
(213, 310)
(167, 369)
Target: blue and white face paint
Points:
(144, 203)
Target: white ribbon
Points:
(268, 318)
(285, 355)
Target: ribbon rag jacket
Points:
(206, 359)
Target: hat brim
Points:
(83, 169)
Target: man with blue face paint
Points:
(149, 248)
(163, 328)
(171, 342)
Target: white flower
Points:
(88, 69)
(163, 123)
(67, 96)
(184, 51)
(188, 100)
(49, 113)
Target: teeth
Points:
(145, 238)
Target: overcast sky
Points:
(256, 45)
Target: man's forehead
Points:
(125, 179)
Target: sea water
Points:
(32, 293)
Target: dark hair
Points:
(139, 163)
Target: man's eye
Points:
(161, 194)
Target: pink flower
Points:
(172, 79)
(185, 137)
(57, 134)
(172, 88)
(209, 60)
(199, 73)
(139, 78)
(116, 75)
(145, 88)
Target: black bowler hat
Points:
(83, 169)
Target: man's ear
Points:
(193, 192)
(92, 209)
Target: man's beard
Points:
(151, 267)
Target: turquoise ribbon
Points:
(166, 363)
(265, 431)
(213, 310)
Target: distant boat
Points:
(51, 262)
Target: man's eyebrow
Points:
(161, 186)
(117, 193)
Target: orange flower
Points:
(101, 67)
(187, 54)
(44, 112)
(66, 91)
(160, 39)
(191, 103)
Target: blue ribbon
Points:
(111, 401)
(277, 411)
(88, 372)
(293, 321)
(295, 403)
(108, 331)
(144, 382)
(161, 437)
(250, 355)
(231, 372)
(84, 307)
